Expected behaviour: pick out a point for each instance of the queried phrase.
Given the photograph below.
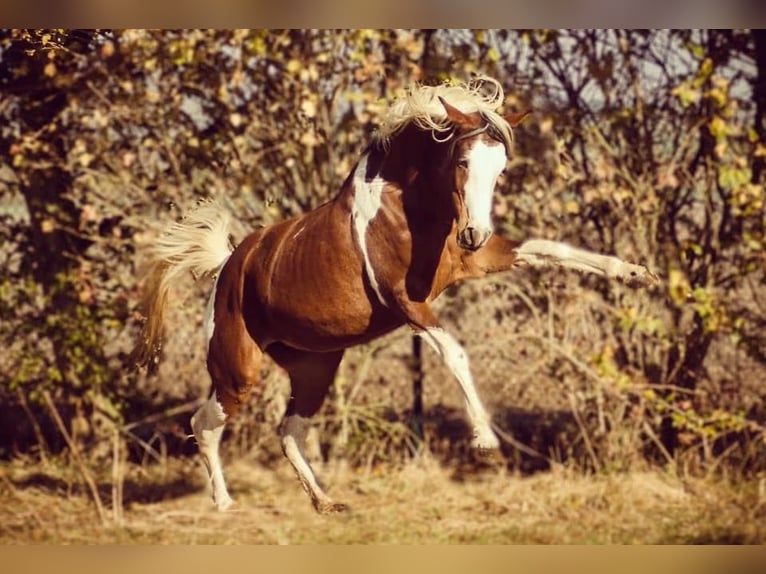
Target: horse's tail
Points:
(199, 244)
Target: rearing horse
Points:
(413, 217)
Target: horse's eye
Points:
(462, 163)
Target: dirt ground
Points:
(433, 499)
(419, 502)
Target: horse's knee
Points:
(233, 361)
(292, 428)
(232, 383)
(207, 424)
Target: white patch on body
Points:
(367, 202)
(207, 425)
(485, 162)
(208, 322)
(456, 359)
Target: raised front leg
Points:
(542, 253)
(501, 254)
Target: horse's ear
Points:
(460, 118)
(515, 118)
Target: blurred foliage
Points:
(647, 144)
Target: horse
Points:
(412, 218)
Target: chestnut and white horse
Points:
(412, 217)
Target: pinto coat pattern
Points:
(413, 217)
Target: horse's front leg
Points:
(500, 254)
(456, 359)
(421, 319)
(542, 253)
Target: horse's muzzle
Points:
(472, 238)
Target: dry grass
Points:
(421, 502)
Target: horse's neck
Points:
(407, 164)
(400, 175)
(392, 192)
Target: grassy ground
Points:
(421, 502)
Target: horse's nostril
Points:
(471, 238)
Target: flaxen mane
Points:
(420, 105)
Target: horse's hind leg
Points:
(208, 424)
(233, 362)
(311, 375)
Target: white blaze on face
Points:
(485, 162)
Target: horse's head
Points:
(477, 157)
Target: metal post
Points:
(417, 390)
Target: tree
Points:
(649, 144)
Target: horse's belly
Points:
(326, 323)
(304, 285)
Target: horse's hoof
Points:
(224, 504)
(331, 507)
(487, 452)
(640, 276)
(485, 442)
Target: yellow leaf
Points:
(685, 93)
(718, 95)
(732, 177)
(571, 207)
(293, 66)
(309, 139)
(705, 69)
(678, 286)
(107, 49)
(717, 126)
(309, 108)
(85, 159)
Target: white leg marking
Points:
(367, 202)
(207, 424)
(456, 359)
(485, 162)
(209, 420)
(293, 433)
(542, 253)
